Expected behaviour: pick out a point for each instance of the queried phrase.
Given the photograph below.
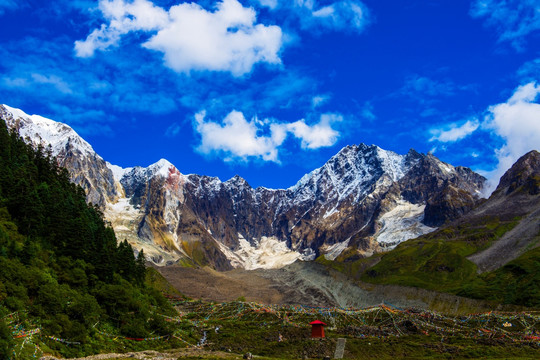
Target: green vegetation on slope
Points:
(62, 273)
(438, 261)
(518, 282)
(431, 264)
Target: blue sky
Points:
(271, 89)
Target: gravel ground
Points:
(311, 284)
(155, 355)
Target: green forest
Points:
(62, 270)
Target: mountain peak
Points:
(237, 179)
(526, 171)
(43, 131)
(161, 167)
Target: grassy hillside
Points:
(438, 261)
(518, 282)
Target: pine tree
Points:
(140, 267)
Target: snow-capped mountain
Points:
(363, 200)
(86, 168)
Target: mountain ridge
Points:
(492, 252)
(205, 221)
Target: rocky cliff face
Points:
(364, 199)
(524, 174)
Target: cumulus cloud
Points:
(318, 135)
(513, 19)
(189, 36)
(517, 122)
(239, 138)
(122, 17)
(236, 137)
(455, 132)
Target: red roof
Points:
(317, 322)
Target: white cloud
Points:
(99, 39)
(318, 135)
(238, 138)
(319, 100)
(123, 17)
(35, 80)
(525, 93)
(454, 132)
(513, 19)
(342, 15)
(53, 80)
(345, 15)
(190, 37)
(272, 4)
(517, 122)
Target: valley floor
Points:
(311, 284)
(231, 330)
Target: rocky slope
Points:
(86, 168)
(517, 197)
(364, 199)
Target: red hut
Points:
(317, 329)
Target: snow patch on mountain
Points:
(392, 164)
(122, 214)
(118, 172)
(124, 218)
(16, 113)
(333, 251)
(351, 172)
(45, 132)
(160, 168)
(402, 223)
(330, 212)
(267, 253)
